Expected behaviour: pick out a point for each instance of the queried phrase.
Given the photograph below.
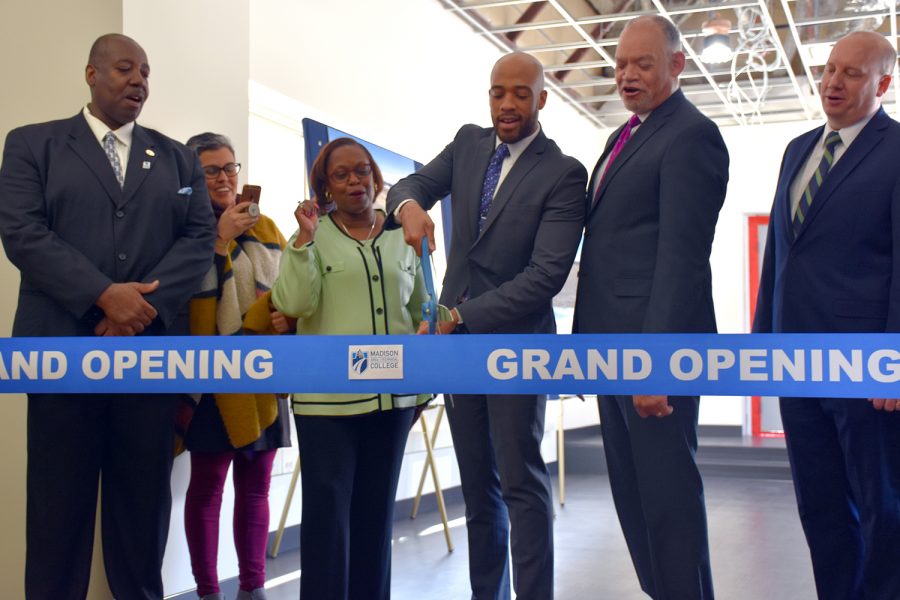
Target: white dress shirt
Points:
(124, 136)
(848, 134)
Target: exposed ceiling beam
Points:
(776, 39)
(792, 25)
(506, 46)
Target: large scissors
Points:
(429, 306)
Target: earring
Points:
(328, 195)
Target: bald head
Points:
(876, 46)
(525, 64)
(117, 73)
(517, 94)
(102, 47)
(856, 76)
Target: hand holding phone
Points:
(251, 193)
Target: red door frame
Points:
(754, 224)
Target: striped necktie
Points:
(109, 146)
(815, 182)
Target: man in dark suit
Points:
(518, 211)
(111, 228)
(653, 204)
(831, 265)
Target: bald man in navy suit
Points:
(111, 227)
(831, 264)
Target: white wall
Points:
(404, 73)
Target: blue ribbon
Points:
(849, 365)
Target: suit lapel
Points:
(647, 129)
(526, 161)
(610, 144)
(140, 162)
(864, 143)
(482, 156)
(85, 145)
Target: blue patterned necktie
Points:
(109, 146)
(491, 177)
(815, 182)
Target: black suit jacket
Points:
(71, 231)
(511, 271)
(645, 261)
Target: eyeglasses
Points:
(231, 169)
(341, 176)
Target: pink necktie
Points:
(624, 136)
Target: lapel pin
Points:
(149, 152)
(146, 164)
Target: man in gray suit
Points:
(111, 228)
(518, 210)
(653, 203)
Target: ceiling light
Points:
(716, 41)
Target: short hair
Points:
(207, 141)
(100, 47)
(318, 174)
(667, 27)
(530, 59)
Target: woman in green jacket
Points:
(342, 274)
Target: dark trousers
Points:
(845, 459)
(349, 472)
(658, 494)
(505, 483)
(124, 442)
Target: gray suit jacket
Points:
(645, 261)
(71, 230)
(506, 276)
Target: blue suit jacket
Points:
(842, 271)
(72, 231)
(520, 260)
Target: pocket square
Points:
(186, 191)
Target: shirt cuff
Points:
(396, 212)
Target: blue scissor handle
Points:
(429, 306)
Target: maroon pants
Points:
(203, 503)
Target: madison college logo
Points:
(382, 361)
(359, 361)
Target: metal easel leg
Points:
(279, 533)
(561, 451)
(429, 463)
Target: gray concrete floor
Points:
(757, 547)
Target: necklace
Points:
(347, 231)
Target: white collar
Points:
(124, 134)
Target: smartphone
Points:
(251, 193)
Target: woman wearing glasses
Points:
(342, 274)
(243, 429)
